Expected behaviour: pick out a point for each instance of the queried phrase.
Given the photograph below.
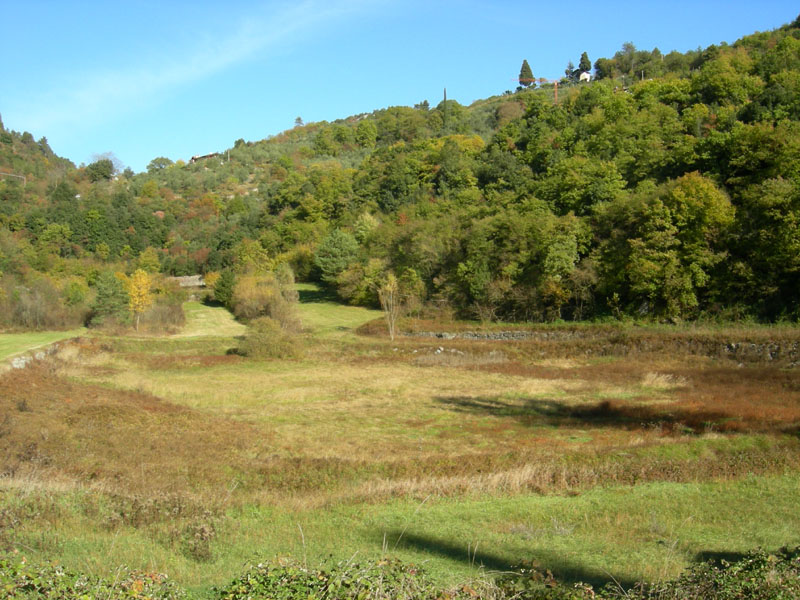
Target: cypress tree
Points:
(585, 64)
(525, 74)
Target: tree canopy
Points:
(666, 188)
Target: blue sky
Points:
(147, 79)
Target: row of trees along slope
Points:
(668, 187)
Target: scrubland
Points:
(177, 455)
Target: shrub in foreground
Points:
(384, 579)
(757, 576)
(18, 579)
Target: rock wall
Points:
(620, 342)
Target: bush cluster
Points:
(266, 301)
(266, 338)
(757, 576)
(163, 317)
(37, 303)
(259, 294)
(385, 579)
(19, 579)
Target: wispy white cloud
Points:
(103, 96)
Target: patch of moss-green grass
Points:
(650, 532)
(324, 315)
(12, 344)
(205, 320)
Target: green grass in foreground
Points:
(649, 532)
(12, 344)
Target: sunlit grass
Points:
(452, 453)
(359, 411)
(204, 320)
(16, 343)
(322, 314)
(651, 532)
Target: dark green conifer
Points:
(525, 74)
(585, 64)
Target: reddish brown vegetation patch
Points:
(753, 400)
(129, 440)
(743, 399)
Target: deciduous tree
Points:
(391, 302)
(148, 260)
(366, 134)
(159, 163)
(140, 297)
(101, 169)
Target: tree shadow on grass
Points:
(604, 414)
(565, 570)
(320, 294)
(716, 557)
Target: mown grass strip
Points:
(205, 320)
(12, 344)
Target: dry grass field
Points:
(177, 454)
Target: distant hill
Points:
(668, 187)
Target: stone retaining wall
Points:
(621, 343)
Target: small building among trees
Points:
(189, 281)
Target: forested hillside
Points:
(668, 187)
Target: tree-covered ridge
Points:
(667, 187)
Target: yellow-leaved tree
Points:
(139, 293)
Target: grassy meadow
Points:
(12, 344)
(177, 455)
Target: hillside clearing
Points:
(324, 315)
(205, 320)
